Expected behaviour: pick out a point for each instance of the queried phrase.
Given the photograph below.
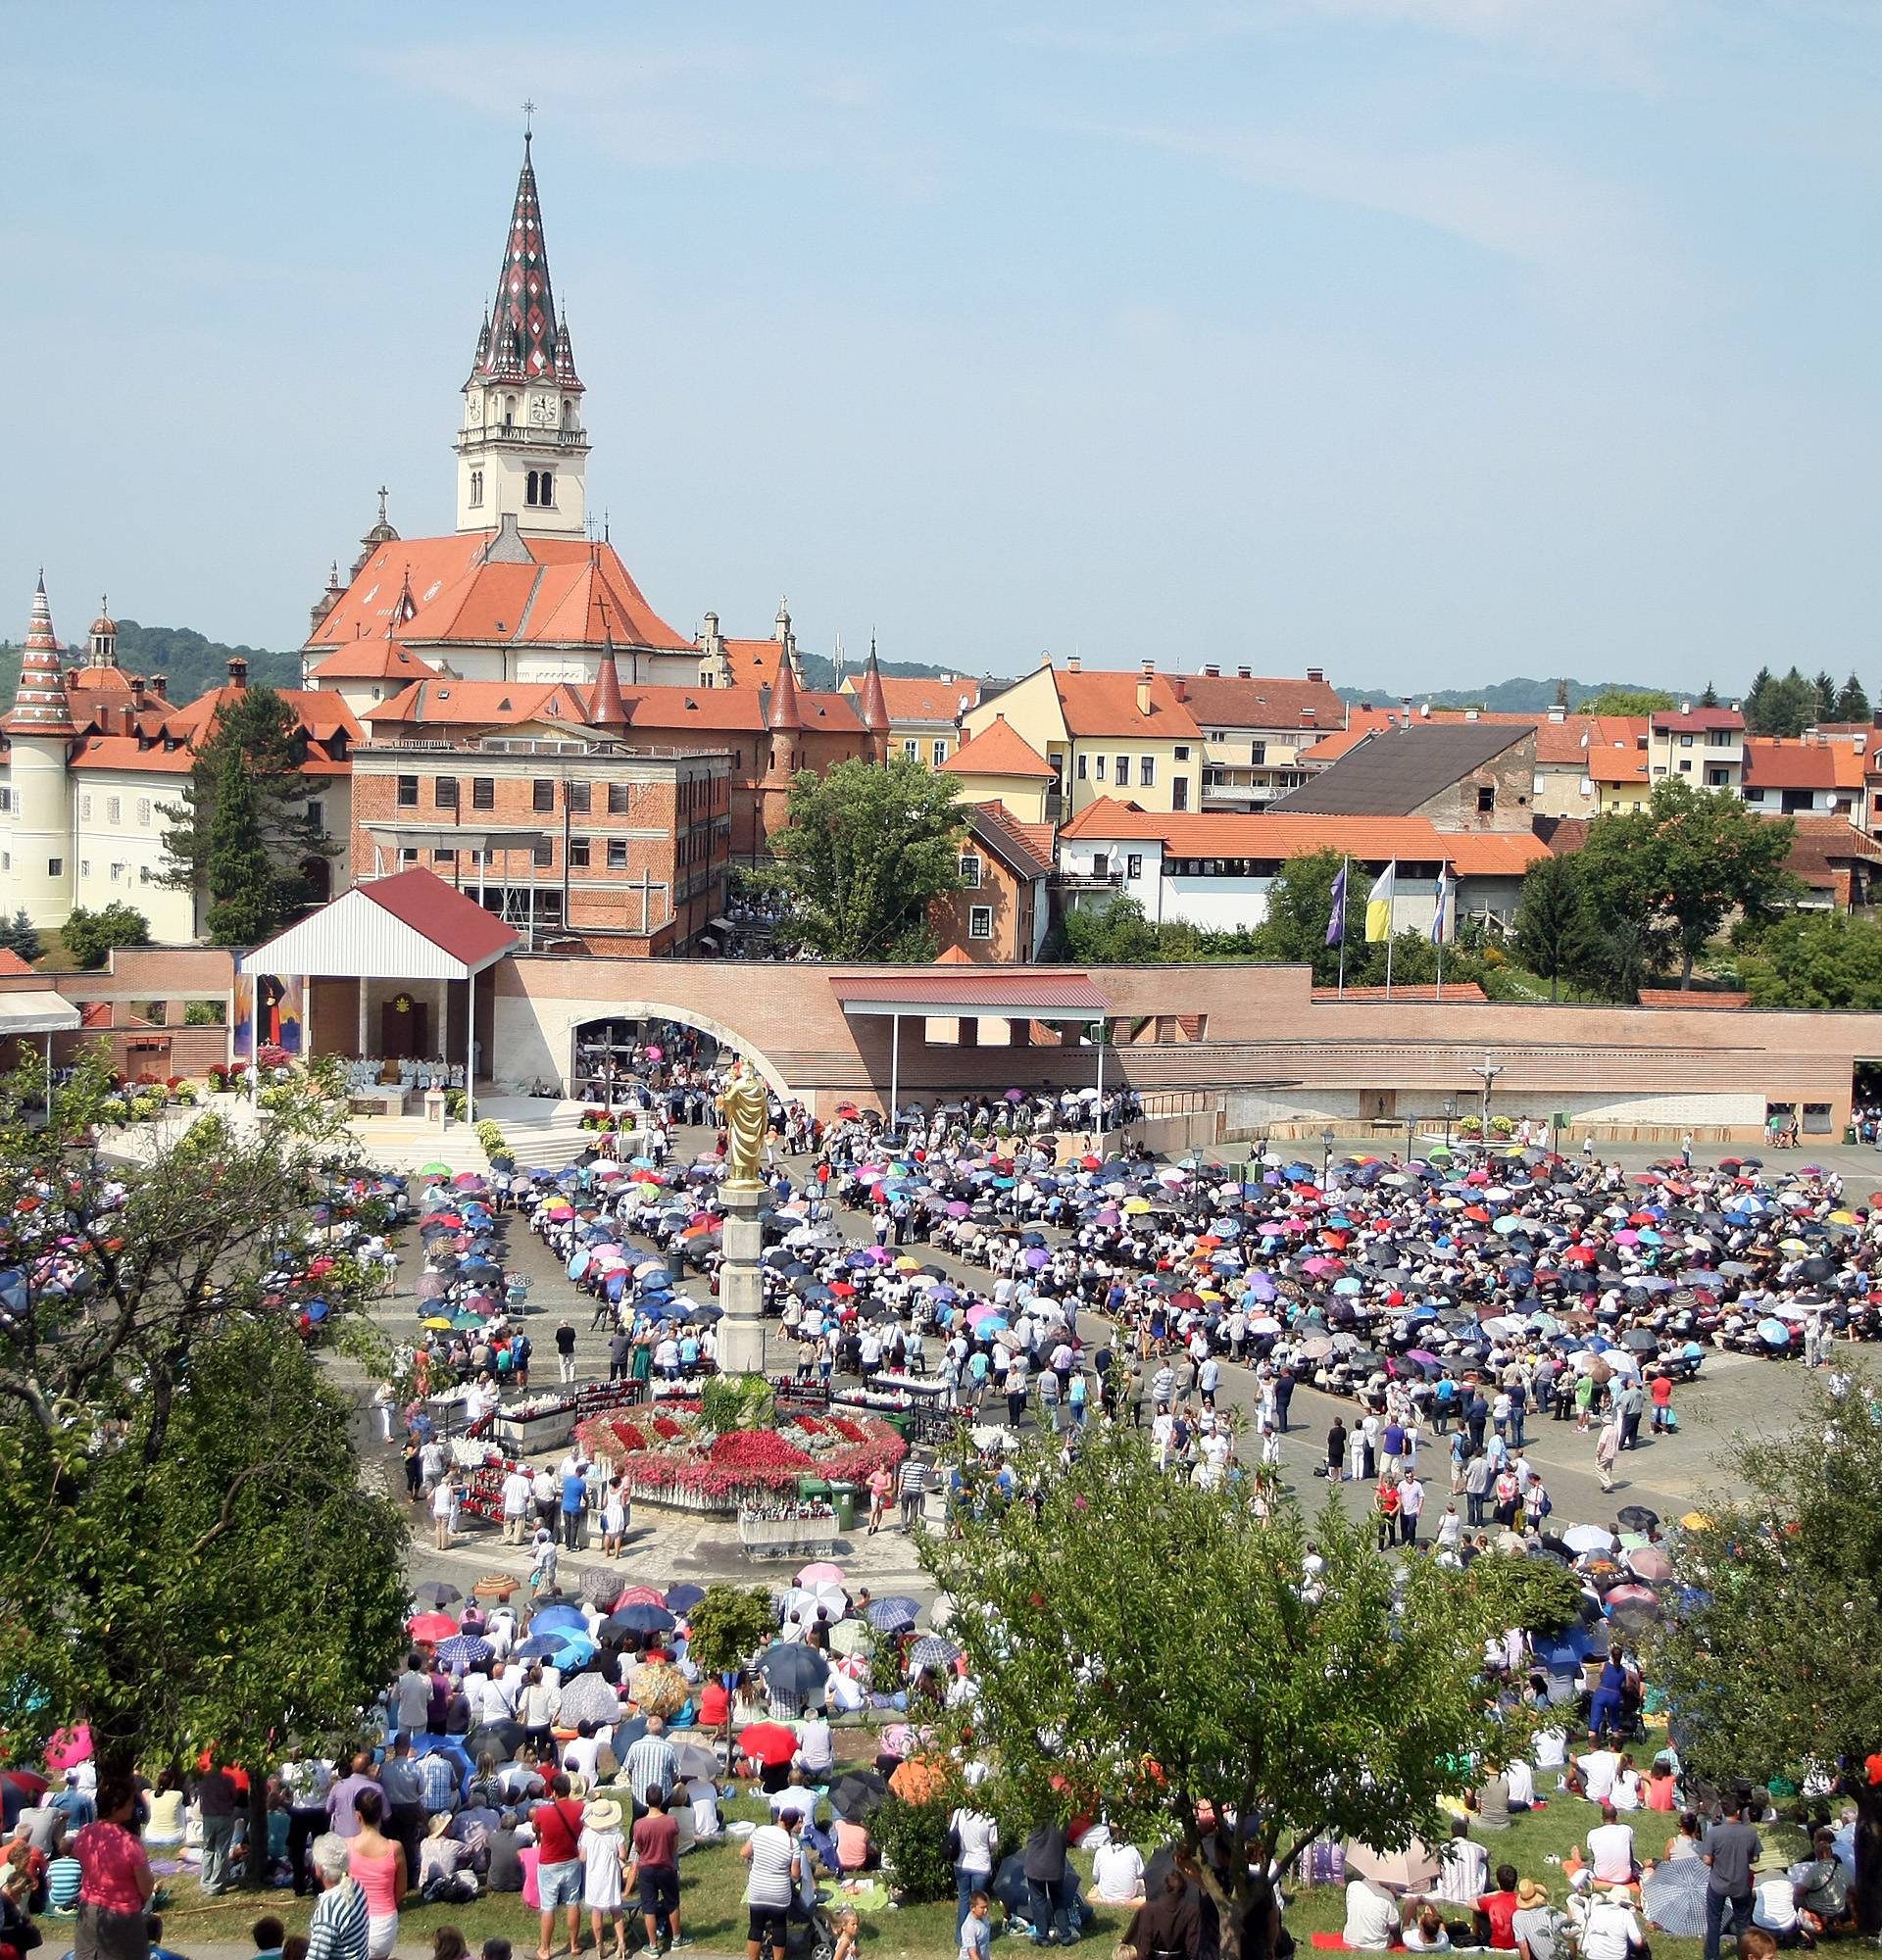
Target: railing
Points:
(516, 745)
(524, 434)
(1087, 881)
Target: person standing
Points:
(378, 1864)
(1336, 1451)
(1607, 1450)
(1732, 1849)
(769, 1886)
(1411, 1509)
(566, 1350)
(653, 1868)
(557, 1823)
(1660, 1394)
(115, 1880)
(574, 1501)
(338, 1929)
(215, 1806)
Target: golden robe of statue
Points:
(744, 1102)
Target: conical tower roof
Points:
(871, 703)
(521, 341)
(40, 706)
(606, 709)
(783, 711)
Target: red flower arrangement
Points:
(672, 1455)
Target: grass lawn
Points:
(713, 1882)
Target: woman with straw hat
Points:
(603, 1857)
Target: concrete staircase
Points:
(541, 1135)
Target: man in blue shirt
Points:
(574, 1494)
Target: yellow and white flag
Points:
(1378, 906)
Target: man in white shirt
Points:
(1521, 1780)
(518, 1490)
(1463, 1868)
(1610, 1930)
(1372, 1917)
(1611, 1849)
(1598, 1767)
(816, 1748)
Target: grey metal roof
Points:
(1395, 771)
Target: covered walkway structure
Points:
(403, 943)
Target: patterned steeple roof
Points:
(40, 706)
(523, 339)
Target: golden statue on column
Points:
(746, 1104)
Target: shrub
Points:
(455, 1104)
(914, 1841)
(490, 1136)
(90, 936)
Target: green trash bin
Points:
(843, 1498)
(811, 1489)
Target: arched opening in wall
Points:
(643, 1051)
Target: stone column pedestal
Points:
(741, 1287)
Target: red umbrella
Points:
(1579, 1256)
(769, 1742)
(26, 1781)
(640, 1595)
(431, 1625)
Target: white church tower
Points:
(41, 732)
(521, 449)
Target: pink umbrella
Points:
(821, 1574)
(69, 1748)
(1650, 1562)
(468, 1180)
(957, 1209)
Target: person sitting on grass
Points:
(1497, 1911)
(269, 1936)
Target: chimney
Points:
(1558, 712)
(1214, 673)
(1180, 685)
(71, 676)
(237, 671)
(1143, 687)
(159, 686)
(1317, 675)
(1244, 674)
(1075, 665)
(1472, 713)
(1405, 712)
(1685, 706)
(1044, 657)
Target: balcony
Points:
(1087, 881)
(524, 435)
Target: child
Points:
(543, 1561)
(849, 1934)
(977, 1935)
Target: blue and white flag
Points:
(1444, 897)
(1336, 922)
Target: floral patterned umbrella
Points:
(660, 1688)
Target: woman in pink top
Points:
(378, 1864)
(115, 1880)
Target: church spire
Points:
(606, 709)
(870, 702)
(522, 342)
(40, 706)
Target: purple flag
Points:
(1336, 922)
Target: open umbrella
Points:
(495, 1585)
(931, 1651)
(851, 1636)
(1415, 1869)
(1636, 1518)
(767, 1741)
(895, 1614)
(642, 1618)
(503, 1738)
(588, 1698)
(1587, 1537)
(823, 1573)
(660, 1688)
(1673, 1898)
(435, 1592)
(465, 1650)
(695, 1759)
(1650, 1563)
(857, 1795)
(431, 1625)
(795, 1670)
(601, 1586)
(546, 1618)
(683, 1598)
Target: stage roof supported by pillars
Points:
(411, 926)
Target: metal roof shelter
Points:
(411, 926)
(1032, 994)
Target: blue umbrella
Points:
(644, 1618)
(574, 1651)
(547, 1617)
(892, 1615)
(463, 1650)
(682, 1598)
(794, 1669)
(538, 1646)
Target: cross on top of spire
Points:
(523, 340)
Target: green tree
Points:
(268, 846)
(729, 1626)
(1771, 1664)
(1225, 1686)
(1814, 959)
(1685, 863)
(1300, 909)
(20, 935)
(1853, 703)
(1117, 933)
(1710, 699)
(89, 936)
(1825, 698)
(866, 851)
(1784, 707)
(193, 1556)
(1555, 933)
(1628, 701)
(1623, 954)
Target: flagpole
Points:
(1345, 861)
(1391, 892)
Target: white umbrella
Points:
(1587, 1537)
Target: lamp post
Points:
(1489, 1069)
(1327, 1153)
(1449, 1117)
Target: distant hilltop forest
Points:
(196, 664)
(1522, 696)
(193, 663)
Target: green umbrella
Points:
(434, 1171)
(849, 1636)
(466, 1320)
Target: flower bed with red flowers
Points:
(674, 1457)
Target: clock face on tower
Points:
(474, 411)
(542, 410)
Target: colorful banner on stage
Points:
(269, 1013)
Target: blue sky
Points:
(1424, 340)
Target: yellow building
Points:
(1103, 733)
(1000, 766)
(924, 713)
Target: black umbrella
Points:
(794, 1668)
(502, 1739)
(859, 1795)
(1637, 1518)
(438, 1592)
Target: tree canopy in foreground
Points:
(192, 1559)
(1151, 1648)
(1771, 1664)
